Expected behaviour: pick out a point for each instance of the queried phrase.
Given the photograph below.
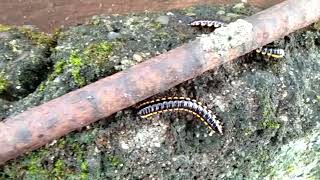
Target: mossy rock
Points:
(24, 63)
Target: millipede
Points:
(271, 52)
(207, 23)
(167, 104)
(268, 51)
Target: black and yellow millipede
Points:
(167, 104)
(207, 23)
(271, 52)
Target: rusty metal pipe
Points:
(40, 125)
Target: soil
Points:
(48, 15)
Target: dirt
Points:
(48, 15)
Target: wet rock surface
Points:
(270, 108)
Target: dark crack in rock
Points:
(24, 61)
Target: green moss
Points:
(95, 54)
(318, 98)
(59, 67)
(33, 164)
(4, 28)
(76, 65)
(84, 170)
(59, 169)
(77, 150)
(13, 45)
(114, 160)
(61, 143)
(268, 112)
(270, 124)
(98, 52)
(38, 38)
(42, 87)
(155, 25)
(3, 82)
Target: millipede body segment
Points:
(157, 106)
(271, 52)
(207, 23)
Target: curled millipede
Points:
(157, 106)
(207, 23)
(271, 52)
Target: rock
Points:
(270, 109)
(23, 62)
(163, 20)
(137, 57)
(239, 6)
(113, 35)
(221, 12)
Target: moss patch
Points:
(98, 52)
(4, 28)
(76, 65)
(268, 112)
(84, 170)
(270, 124)
(94, 56)
(59, 169)
(114, 161)
(38, 38)
(3, 82)
(33, 163)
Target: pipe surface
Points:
(39, 125)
